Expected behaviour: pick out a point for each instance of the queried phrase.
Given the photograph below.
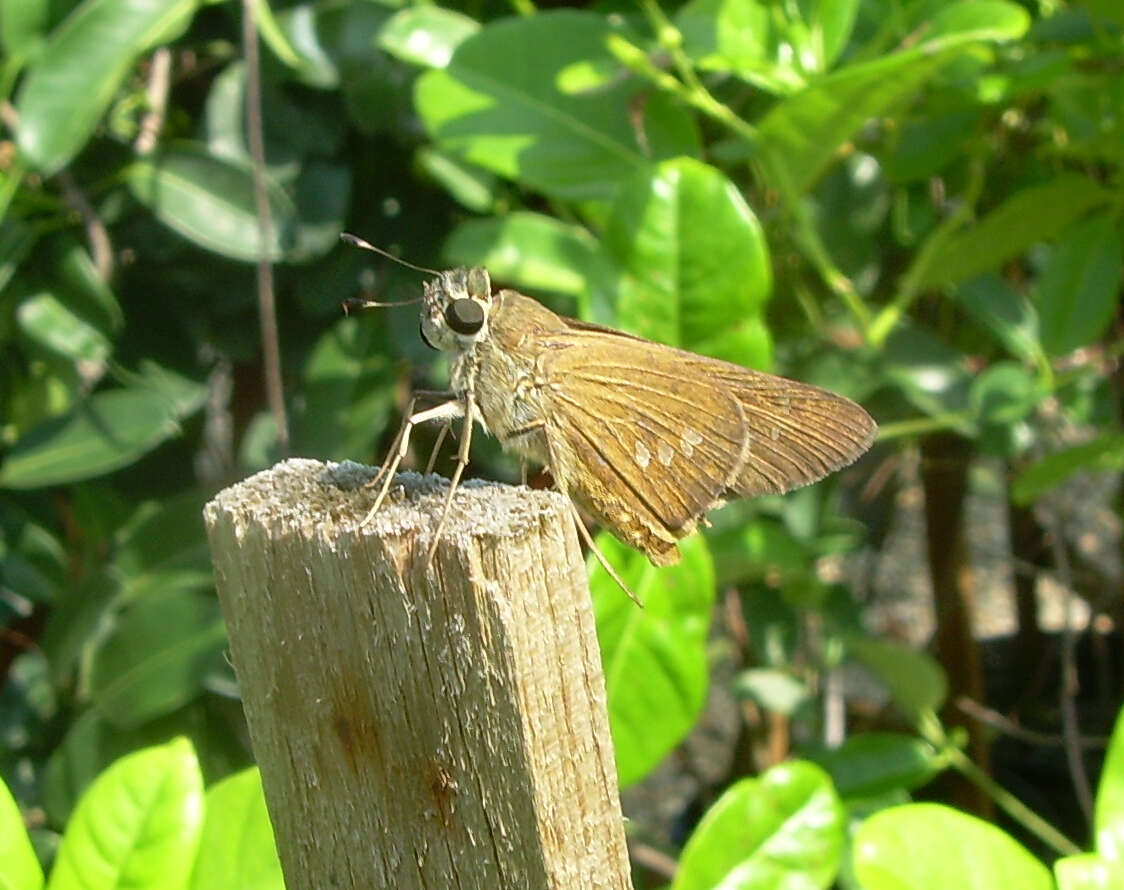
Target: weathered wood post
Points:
(419, 728)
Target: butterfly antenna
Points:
(356, 241)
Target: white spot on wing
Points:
(642, 454)
(665, 454)
(688, 441)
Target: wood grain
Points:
(419, 727)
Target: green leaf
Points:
(502, 103)
(1003, 311)
(110, 430)
(696, 261)
(1036, 213)
(19, 867)
(46, 320)
(773, 689)
(1087, 871)
(742, 37)
(22, 26)
(1080, 285)
(654, 658)
(210, 201)
(470, 185)
(1005, 393)
(426, 35)
(929, 373)
(72, 81)
(1108, 817)
(914, 679)
(164, 547)
(875, 763)
(16, 240)
(784, 829)
(349, 391)
(930, 845)
(527, 250)
(237, 848)
(801, 135)
(138, 825)
(157, 657)
(1105, 454)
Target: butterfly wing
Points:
(648, 437)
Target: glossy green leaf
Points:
(501, 103)
(1079, 289)
(19, 866)
(1004, 312)
(1036, 213)
(746, 38)
(527, 250)
(1005, 393)
(22, 25)
(237, 847)
(86, 291)
(1087, 871)
(914, 679)
(110, 430)
(929, 845)
(157, 657)
(802, 134)
(1104, 454)
(654, 658)
(164, 547)
(783, 829)
(138, 825)
(46, 320)
(209, 200)
(72, 81)
(876, 763)
(696, 261)
(349, 378)
(1108, 818)
(773, 689)
(929, 373)
(832, 22)
(426, 35)
(470, 185)
(16, 240)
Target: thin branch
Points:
(1001, 723)
(267, 307)
(159, 82)
(1070, 681)
(101, 248)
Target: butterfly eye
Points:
(464, 316)
(425, 339)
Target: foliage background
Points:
(914, 203)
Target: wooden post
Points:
(419, 728)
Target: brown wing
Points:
(798, 432)
(648, 438)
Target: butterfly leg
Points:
(403, 431)
(605, 564)
(469, 411)
(446, 411)
(441, 434)
(584, 534)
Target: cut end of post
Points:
(332, 498)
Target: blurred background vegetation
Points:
(916, 203)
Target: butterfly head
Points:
(456, 308)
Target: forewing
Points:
(640, 433)
(798, 433)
